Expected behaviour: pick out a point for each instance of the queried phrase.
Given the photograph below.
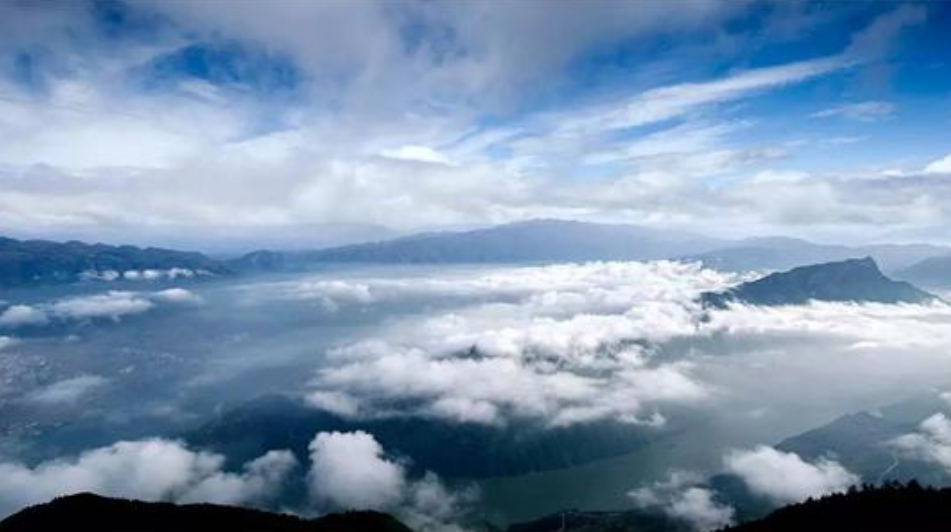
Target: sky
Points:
(292, 124)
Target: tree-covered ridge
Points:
(88, 512)
(32, 262)
(892, 507)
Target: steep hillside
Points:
(853, 280)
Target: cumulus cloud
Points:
(67, 391)
(931, 443)
(154, 469)
(682, 496)
(785, 477)
(558, 344)
(350, 471)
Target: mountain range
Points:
(562, 240)
(531, 241)
(28, 262)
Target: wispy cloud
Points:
(862, 111)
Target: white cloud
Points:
(176, 295)
(363, 88)
(683, 497)
(423, 154)
(154, 469)
(67, 391)
(785, 477)
(573, 343)
(19, 315)
(932, 442)
(113, 304)
(349, 471)
(941, 166)
(557, 344)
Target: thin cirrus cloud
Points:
(862, 111)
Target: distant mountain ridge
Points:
(932, 272)
(782, 253)
(31, 262)
(565, 240)
(530, 241)
(859, 441)
(853, 280)
(87, 512)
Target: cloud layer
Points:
(558, 344)
(113, 305)
(412, 115)
(624, 341)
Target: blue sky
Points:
(145, 121)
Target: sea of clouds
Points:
(550, 346)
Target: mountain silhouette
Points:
(853, 280)
(87, 512)
(892, 507)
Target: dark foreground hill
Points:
(853, 280)
(87, 512)
(32, 262)
(891, 508)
